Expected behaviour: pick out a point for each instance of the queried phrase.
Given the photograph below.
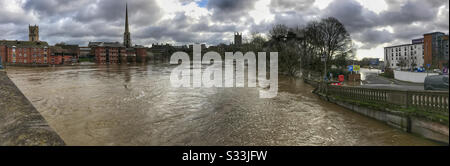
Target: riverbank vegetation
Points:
(305, 47)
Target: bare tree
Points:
(413, 64)
(278, 32)
(402, 63)
(335, 37)
(303, 47)
(328, 37)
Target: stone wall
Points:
(20, 123)
(422, 127)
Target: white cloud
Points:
(376, 6)
(262, 13)
(322, 4)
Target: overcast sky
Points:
(373, 24)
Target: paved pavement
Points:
(373, 80)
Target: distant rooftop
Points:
(105, 44)
(432, 33)
(23, 43)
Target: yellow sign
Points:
(356, 67)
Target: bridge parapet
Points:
(429, 101)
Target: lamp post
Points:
(324, 81)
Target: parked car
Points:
(437, 71)
(436, 82)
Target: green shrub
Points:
(388, 73)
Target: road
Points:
(371, 79)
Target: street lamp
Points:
(324, 81)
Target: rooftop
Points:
(105, 44)
(18, 43)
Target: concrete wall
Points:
(425, 128)
(20, 123)
(411, 76)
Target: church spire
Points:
(126, 35)
(126, 18)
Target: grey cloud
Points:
(86, 20)
(204, 27)
(372, 38)
(291, 5)
(185, 32)
(141, 12)
(355, 17)
(47, 8)
(409, 12)
(407, 17)
(13, 16)
(230, 10)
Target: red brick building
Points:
(107, 52)
(116, 53)
(141, 54)
(64, 54)
(24, 52)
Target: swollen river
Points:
(136, 105)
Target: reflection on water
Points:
(135, 105)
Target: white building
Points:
(410, 55)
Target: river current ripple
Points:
(136, 105)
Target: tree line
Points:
(306, 47)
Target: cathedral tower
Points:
(238, 39)
(33, 33)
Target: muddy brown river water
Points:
(136, 105)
